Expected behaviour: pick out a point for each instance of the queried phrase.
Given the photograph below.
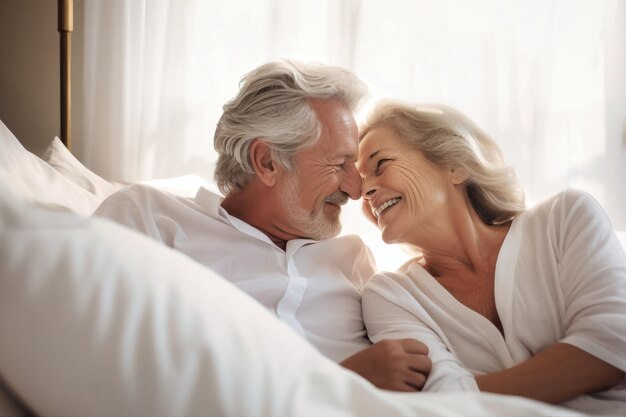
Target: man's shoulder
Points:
(351, 250)
(145, 200)
(349, 239)
(155, 212)
(137, 190)
(346, 242)
(135, 194)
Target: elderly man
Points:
(287, 147)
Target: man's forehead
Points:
(341, 147)
(345, 144)
(337, 151)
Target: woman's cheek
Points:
(367, 211)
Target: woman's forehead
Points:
(379, 136)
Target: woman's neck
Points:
(464, 245)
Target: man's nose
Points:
(352, 183)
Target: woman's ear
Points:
(263, 163)
(458, 175)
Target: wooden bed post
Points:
(66, 26)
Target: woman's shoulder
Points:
(563, 216)
(564, 203)
(565, 196)
(404, 276)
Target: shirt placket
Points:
(294, 292)
(293, 295)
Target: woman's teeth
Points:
(385, 206)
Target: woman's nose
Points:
(367, 190)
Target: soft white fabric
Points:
(621, 236)
(60, 158)
(107, 322)
(560, 277)
(30, 178)
(312, 286)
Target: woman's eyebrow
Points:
(373, 155)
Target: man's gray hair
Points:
(274, 104)
(450, 140)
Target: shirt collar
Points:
(212, 201)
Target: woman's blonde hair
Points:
(450, 140)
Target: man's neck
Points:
(257, 208)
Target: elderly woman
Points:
(508, 300)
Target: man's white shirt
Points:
(313, 286)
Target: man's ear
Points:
(458, 175)
(262, 162)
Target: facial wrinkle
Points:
(319, 227)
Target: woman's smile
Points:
(378, 211)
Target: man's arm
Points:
(397, 365)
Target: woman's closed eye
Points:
(380, 164)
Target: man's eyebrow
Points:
(344, 156)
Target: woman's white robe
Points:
(560, 277)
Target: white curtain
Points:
(546, 78)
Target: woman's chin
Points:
(387, 235)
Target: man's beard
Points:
(316, 225)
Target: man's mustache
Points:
(338, 198)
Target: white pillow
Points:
(61, 159)
(98, 320)
(33, 180)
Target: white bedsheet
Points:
(98, 320)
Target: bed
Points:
(96, 319)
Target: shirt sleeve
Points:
(592, 270)
(391, 312)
